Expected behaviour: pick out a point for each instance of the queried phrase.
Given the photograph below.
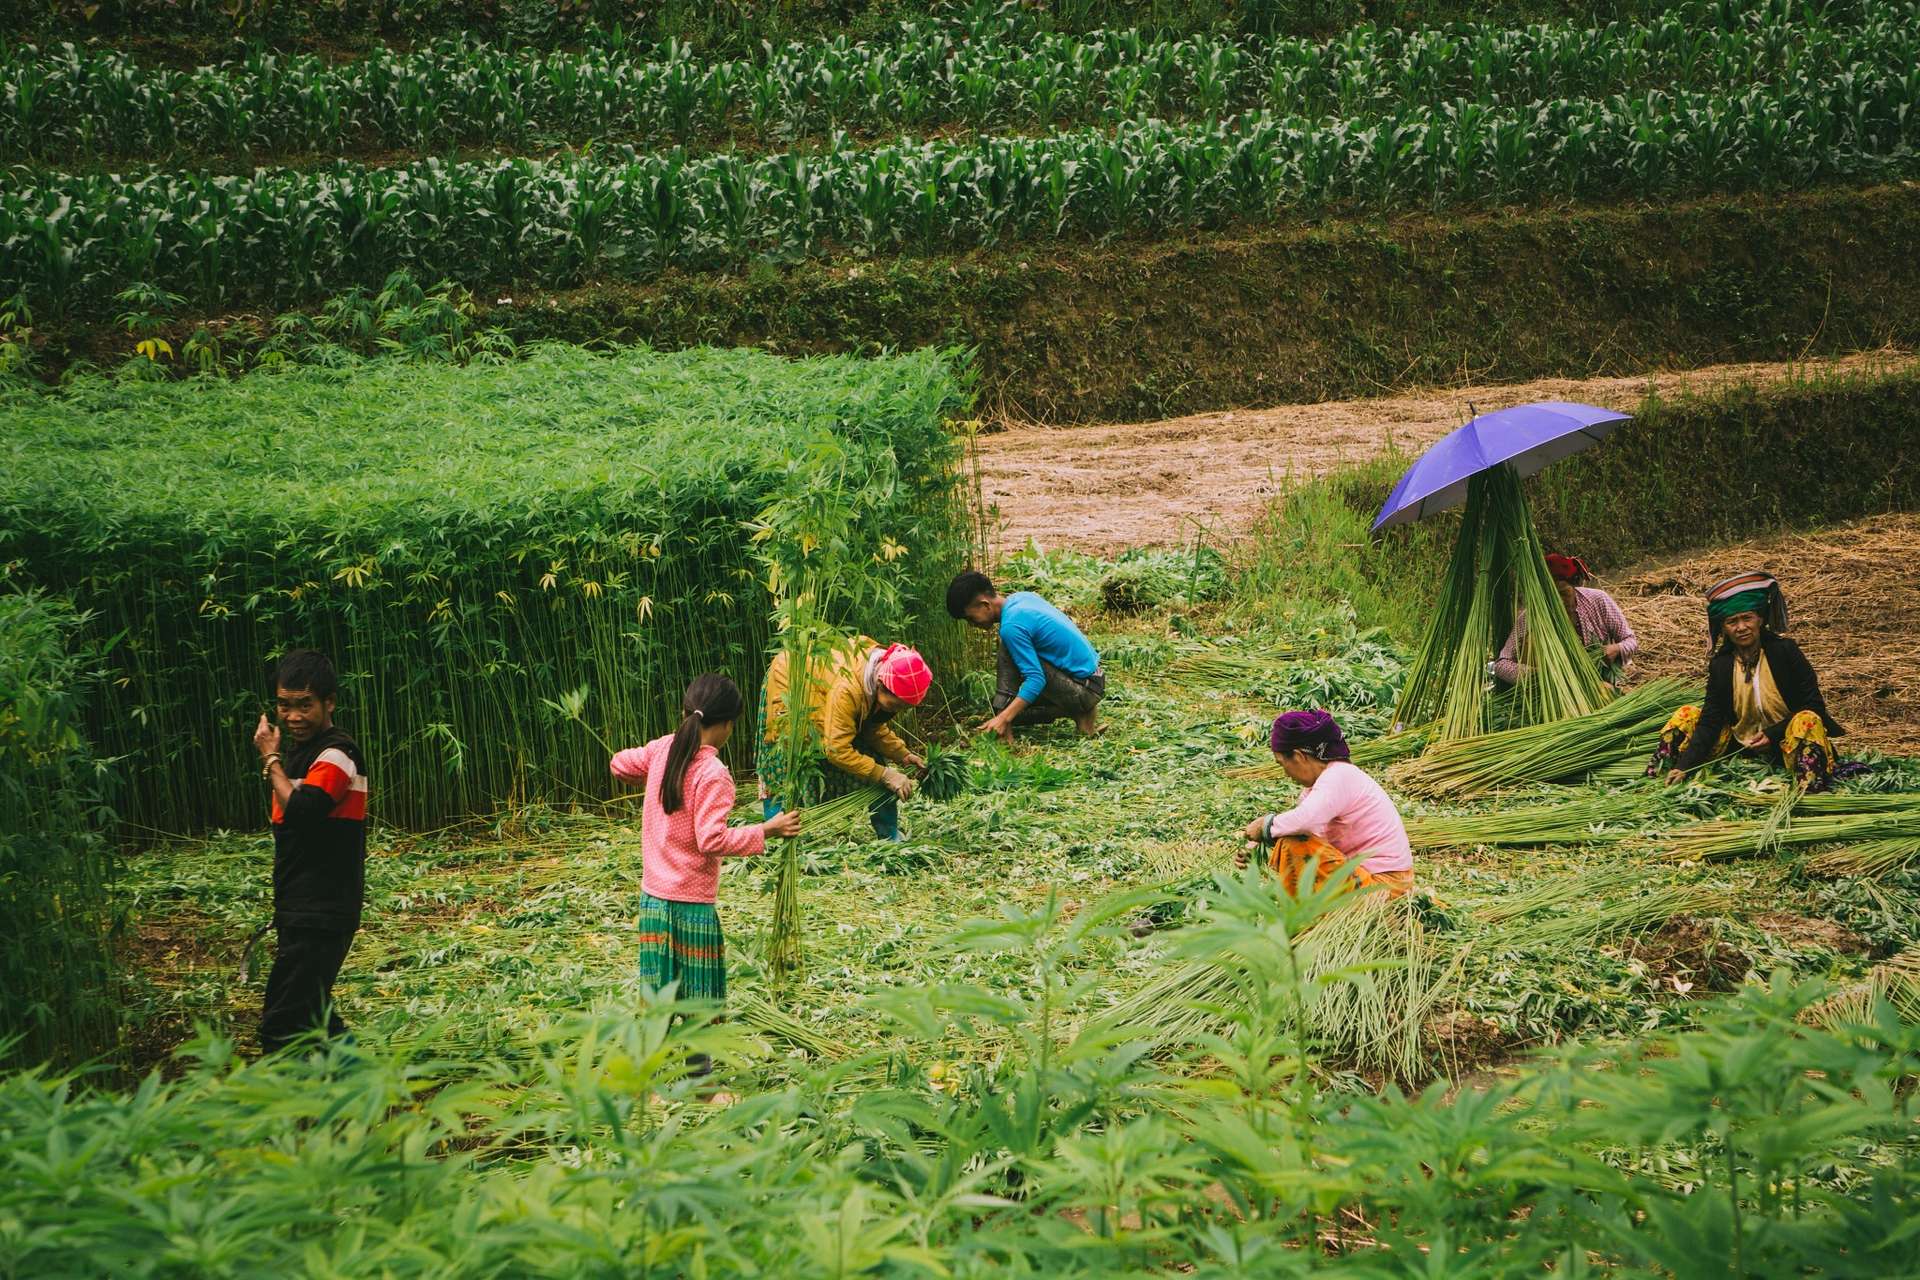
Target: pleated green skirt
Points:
(681, 941)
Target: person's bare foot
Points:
(1089, 725)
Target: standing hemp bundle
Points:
(1498, 570)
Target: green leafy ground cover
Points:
(942, 1092)
(493, 930)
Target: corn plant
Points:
(72, 241)
(978, 69)
(468, 545)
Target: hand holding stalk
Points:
(783, 826)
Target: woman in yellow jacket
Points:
(852, 693)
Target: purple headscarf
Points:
(1314, 732)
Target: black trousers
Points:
(1064, 695)
(300, 985)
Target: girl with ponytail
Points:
(683, 836)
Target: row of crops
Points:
(988, 72)
(70, 242)
(497, 557)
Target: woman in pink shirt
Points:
(683, 836)
(1342, 815)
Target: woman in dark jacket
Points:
(1762, 694)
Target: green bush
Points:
(491, 555)
(57, 990)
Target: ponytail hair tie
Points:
(698, 714)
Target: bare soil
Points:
(1108, 487)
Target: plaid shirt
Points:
(1598, 619)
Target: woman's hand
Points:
(916, 762)
(1611, 653)
(1241, 857)
(1676, 775)
(897, 782)
(784, 825)
(1256, 830)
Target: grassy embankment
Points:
(1339, 310)
(1684, 473)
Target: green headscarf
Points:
(1754, 601)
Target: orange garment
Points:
(1290, 854)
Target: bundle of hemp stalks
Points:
(1895, 982)
(1372, 1019)
(1605, 818)
(845, 817)
(1867, 858)
(1584, 910)
(1834, 801)
(1234, 667)
(1498, 570)
(1623, 729)
(1740, 837)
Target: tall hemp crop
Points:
(57, 991)
(496, 558)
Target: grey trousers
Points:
(1064, 697)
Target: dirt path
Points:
(1105, 488)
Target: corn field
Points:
(980, 71)
(504, 561)
(72, 241)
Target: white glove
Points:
(897, 782)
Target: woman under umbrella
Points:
(1596, 615)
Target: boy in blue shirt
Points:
(1048, 671)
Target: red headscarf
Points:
(1571, 570)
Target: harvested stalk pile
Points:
(1836, 801)
(1602, 904)
(758, 1014)
(1234, 667)
(1622, 731)
(1897, 982)
(1867, 858)
(1498, 572)
(1740, 837)
(1373, 1020)
(1561, 890)
(1605, 818)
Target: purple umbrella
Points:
(1528, 437)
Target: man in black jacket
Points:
(319, 783)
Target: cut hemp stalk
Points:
(1498, 571)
